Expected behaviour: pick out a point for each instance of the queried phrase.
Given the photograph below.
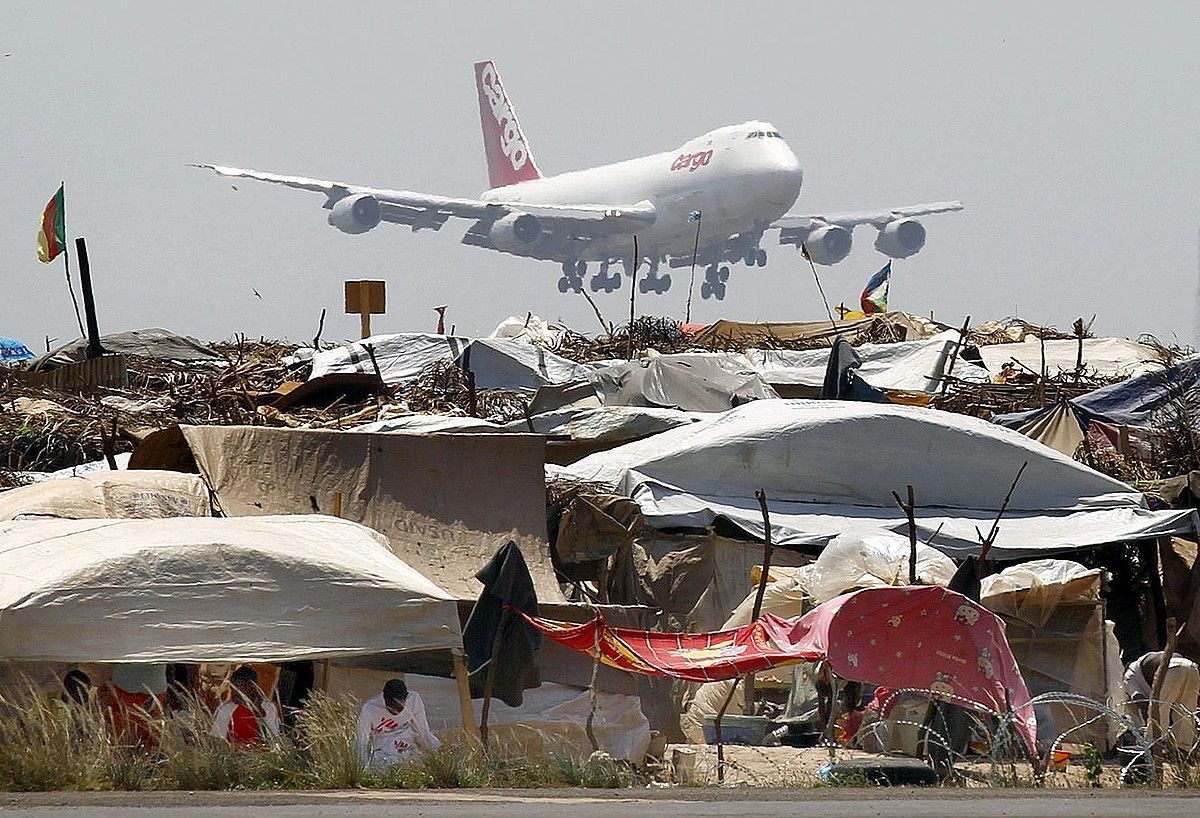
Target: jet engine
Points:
(901, 238)
(355, 214)
(828, 245)
(515, 231)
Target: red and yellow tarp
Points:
(52, 235)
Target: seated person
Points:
(1177, 704)
(248, 718)
(133, 703)
(391, 726)
(77, 687)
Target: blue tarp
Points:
(13, 350)
(1132, 402)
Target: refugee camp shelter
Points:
(204, 589)
(141, 494)
(830, 467)
(445, 502)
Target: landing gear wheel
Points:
(723, 276)
(564, 284)
(663, 285)
(762, 258)
(614, 283)
(644, 286)
(568, 268)
(599, 283)
(581, 269)
(750, 258)
(719, 292)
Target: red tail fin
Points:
(508, 157)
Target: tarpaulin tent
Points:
(13, 351)
(1107, 357)
(918, 637)
(112, 494)
(160, 344)
(445, 502)
(829, 467)
(207, 589)
(1132, 402)
(909, 365)
(724, 334)
(496, 362)
(694, 383)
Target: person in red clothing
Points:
(248, 718)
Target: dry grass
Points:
(46, 745)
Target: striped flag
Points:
(52, 235)
(875, 295)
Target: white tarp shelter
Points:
(915, 366)
(498, 363)
(1107, 357)
(829, 467)
(140, 493)
(261, 589)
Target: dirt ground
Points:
(797, 767)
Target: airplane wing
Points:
(427, 211)
(877, 218)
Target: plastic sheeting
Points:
(1132, 402)
(915, 366)
(497, 363)
(606, 424)
(550, 721)
(830, 466)
(689, 382)
(1107, 357)
(872, 561)
(445, 502)
(145, 343)
(113, 494)
(212, 590)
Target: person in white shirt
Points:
(248, 719)
(392, 726)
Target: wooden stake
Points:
(589, 727)
(489, 682)
(909, 510)
(464, 696)
(1153, 728)
(717, 729)
(962, 339)
(94, 349)
(768, 550)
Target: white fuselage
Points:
(741, 178)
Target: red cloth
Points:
(130, 716)
(918, 637)
(243, 728)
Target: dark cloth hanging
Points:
(506, 581)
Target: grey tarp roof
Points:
(830, 466)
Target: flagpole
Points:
(67, 266)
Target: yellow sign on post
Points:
(365, 298)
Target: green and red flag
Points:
(52, 237)
(874, 296)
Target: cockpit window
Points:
(764, 135)
(774, 134)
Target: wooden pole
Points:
(632, 294)
(66, 254)
(94, 349)
(364, 322)
(909, 510)
(337, 504)
(962, 339)
(717, 729)
(1153, 708)
(768, 550)
(464, 696)
(489, 682)
(589, 728)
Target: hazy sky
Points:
(1071, 131)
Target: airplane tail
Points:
(508, 157)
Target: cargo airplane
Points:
(729, 186)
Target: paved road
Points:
(580, 804)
